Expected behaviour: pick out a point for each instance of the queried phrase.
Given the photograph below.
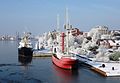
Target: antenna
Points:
(67, 20)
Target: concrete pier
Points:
(109, 69)
(42, 54)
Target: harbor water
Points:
(14, 69)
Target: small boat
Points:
(25, 46)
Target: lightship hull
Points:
(65, 62)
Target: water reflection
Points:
(65, 76)
(24, 60)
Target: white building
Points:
(97, 32)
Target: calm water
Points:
(41, 70)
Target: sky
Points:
(39, 16)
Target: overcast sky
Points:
(38, 16)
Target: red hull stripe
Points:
(65, 63)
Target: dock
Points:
(107, 69)
(42, 54)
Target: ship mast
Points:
(67, 27)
